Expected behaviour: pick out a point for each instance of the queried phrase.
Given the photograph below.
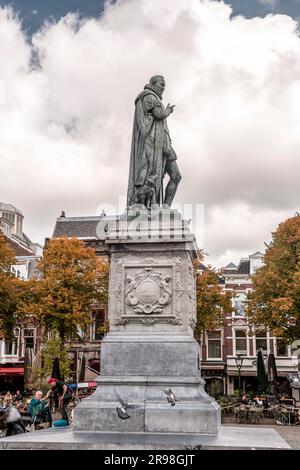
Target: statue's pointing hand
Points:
(170, 108)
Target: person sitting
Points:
(258, 401)
(243, 400)
(18, 397)
(7, 400)
(37, 408)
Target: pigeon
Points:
(171, 397)
(122, 413)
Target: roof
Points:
(80, 227)
(26, 239)
(19, 250)
(244, 267)
(230, 266)
(257, 254)
(10, 208)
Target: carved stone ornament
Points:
(148, 292)
(192, 298)
(121, 321)
(148, 321)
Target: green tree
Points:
(215, 388)
(274, 302)
(53, 348)
(211, 300)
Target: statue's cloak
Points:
(146, 157)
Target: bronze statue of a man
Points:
(152, 154)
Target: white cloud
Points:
(66, 126)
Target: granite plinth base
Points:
(229, 438)
(139, 369)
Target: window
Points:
(241, 342)
(19, 226)
(10, 348)
(261, 340)
(29, 338)
(238, 304)
(9, 217)
(214, 345)
(281, 348)
(99, 318)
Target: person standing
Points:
(64, 393)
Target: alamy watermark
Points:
(136, 222)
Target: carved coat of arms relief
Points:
(148, 292)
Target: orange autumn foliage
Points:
(275, 301)
(72, 278)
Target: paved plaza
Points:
(291, 434)
(229, 438)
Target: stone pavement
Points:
(291, 434)
(230, 437)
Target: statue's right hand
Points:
(170, 108)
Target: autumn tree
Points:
(211, 300)
(10, 289)
(274, 303)
(72, 278)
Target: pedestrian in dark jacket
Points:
(64, 393)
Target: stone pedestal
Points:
(150, 347)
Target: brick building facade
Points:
(221, 347)
(27, 254)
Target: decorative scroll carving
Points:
(118, 290)
(192, 298)
(179, 291)
(118, 293)
(148, 321)
(148, 292)
(175, 321)
(121, 321)
(148, 260)
(119, 266)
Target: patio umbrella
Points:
(27, 367)
(55, 370)
(262, 380)
(82, 370)
(272, 373)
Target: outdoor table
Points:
(286, 415)
(255, 414)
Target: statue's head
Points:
(158, 84)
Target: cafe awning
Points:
(11, 370)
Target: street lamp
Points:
(239, 362)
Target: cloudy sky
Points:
(70, 71)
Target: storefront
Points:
(214, 376)
(11, 378)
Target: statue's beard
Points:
(159, 93)
(156, 91)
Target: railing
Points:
(279, 414)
